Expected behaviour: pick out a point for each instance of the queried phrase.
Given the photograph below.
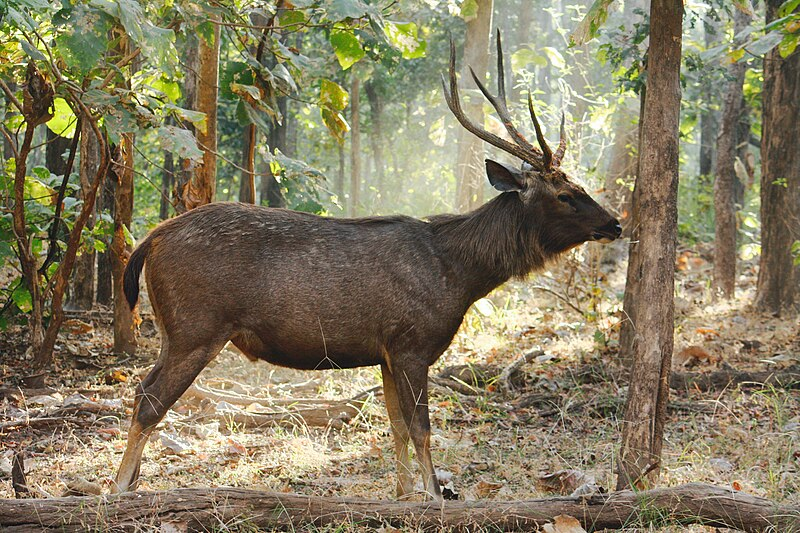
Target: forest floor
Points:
(565, 414)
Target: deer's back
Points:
(302, 290)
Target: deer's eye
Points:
(566, 198)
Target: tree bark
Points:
(623, 164)
(105, 285)
(469, 163)
(627, 329)
(247, 185)
(646, 407)
(724, 276)
(201, 509)
(124, 318)
(355, 147)
(709, 122)
(778, 278)
(82, 289)
(340, 171)
(376, 135)
(167, 181)
(198, 184)
(271, 191)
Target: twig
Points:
(524, 359)
(560, 297)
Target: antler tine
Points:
(501, 71)
(562, 144)
(454, 103)
(547, 154)
(500, 105)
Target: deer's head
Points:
(567, 214)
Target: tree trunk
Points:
(469, 163)
(724, 277)
(105, 202)
(709, 122)
(646, 407)
(376, 135)
(82, 290)
(355, 147)
(247, 185)
(340, 171)
(124, 318)
(622, 165)
(167, 181)
(778, 278)
(201, 509)
(627, 329)
(198, 185)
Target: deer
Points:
(309, 292)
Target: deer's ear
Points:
(503, 178)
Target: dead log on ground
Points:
(201, 509)
(335, 413)
(788, 378)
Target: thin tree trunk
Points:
(724, 276)
(709, 122)
(376, 135)
(355, 147)
(247, 185)
(778, 278)
(646, 407)
(167, 181)
(627, 330)
(82, 289)
(105, 290)
(198, 184)
(469, 162)
(622, 165)
(124, 318)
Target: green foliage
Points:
(589, 27)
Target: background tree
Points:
(469, 163)
(779, 271)
(646, 405)
(728, 141)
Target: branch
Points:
(205, 508)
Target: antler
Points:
(521, 147)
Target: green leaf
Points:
(555, 57)
(524, 57)
(343, 9)
(333, 95)
(181, 142)
(765, 43)
(170, 88)
(469, 10)
(22, 298)
(346, 47)
(788, 44)
(31, 50)
(335, 123)
(83, 39)
(788, 7)
(64, 120)
(197, 118)
(403, 36)
(292, 19)
(590, 26)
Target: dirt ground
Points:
(565, 415)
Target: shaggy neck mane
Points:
(496, 242)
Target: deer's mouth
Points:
(608, 233)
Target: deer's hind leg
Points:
(182, 358)
(405, 483)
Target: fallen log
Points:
(203, 509)
(788, 378)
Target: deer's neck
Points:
(490, 245)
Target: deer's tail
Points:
(130, 280)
